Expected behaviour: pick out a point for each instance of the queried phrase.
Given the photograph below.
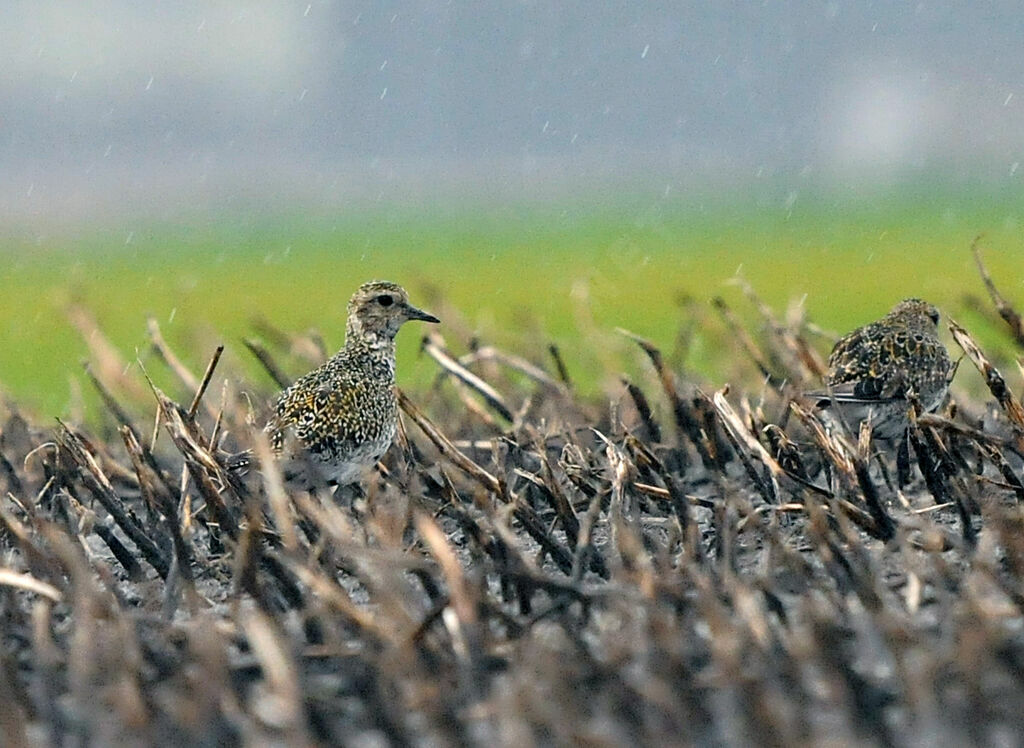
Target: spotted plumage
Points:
(340, 418)
(875, 369)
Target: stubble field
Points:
(608, 546)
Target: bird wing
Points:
(866, 365)
(318, 416)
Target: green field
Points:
(510, 272)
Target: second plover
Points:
(875, 370)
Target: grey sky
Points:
(129, 105)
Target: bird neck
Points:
(377, 342)
(372, 352)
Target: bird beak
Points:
(412, 312)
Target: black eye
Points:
(935, 316)
(385, 300)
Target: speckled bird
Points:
(340, 418)
(876, 368)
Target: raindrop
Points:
(384, 93)
(643, 55)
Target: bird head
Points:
(915, 313)
(379, 308)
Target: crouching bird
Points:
(875, 371)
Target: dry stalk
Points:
(433, 345)
(1006, 311)
(447, 449)
(995, 382)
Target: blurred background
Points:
(209, 163)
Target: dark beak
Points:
(413, 313)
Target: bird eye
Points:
(385, 300)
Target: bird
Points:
(875, 370)
(341, 417)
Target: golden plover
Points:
(340, 418)
(874, 370)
